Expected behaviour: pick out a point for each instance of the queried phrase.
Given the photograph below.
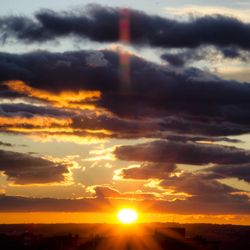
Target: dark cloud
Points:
(185, 153)
(61, 71)
(99, 23)
(191, 102)
(148, 171)
(185, 138)
(26, 169)
(8, 94)
(204, 126)
(235, 53)
(210, 54)
(120, 127)
(96, 23)
(197, 185)
(80, 122)
(176, 60)
(230, 52)
(182, 58)
(239, 171)
(29, 110)
(206, 191)
(24, 204)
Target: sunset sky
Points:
(141, 104)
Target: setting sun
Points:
(127, 216)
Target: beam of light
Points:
(124, 30)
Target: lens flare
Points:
(124, 28)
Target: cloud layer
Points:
(183, 152)
(188, 102)
(99, 23)
(183, 114)
(23, 168)
(24, 204)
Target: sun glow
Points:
(127, 216)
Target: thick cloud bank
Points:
(99, 23)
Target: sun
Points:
(127, 216)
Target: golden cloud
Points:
(63, 99)
(36, 121)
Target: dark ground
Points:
(228, 237)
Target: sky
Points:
(112, 104)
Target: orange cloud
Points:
(37, 121)
(64, 99)
(44, 128)
(85, 139)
